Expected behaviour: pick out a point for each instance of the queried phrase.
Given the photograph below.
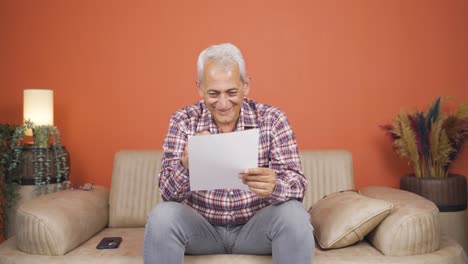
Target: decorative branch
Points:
(431, 141)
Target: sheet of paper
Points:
(215, 161)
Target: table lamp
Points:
(38, 107)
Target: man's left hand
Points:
(261, 181)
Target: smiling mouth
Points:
(223, 112)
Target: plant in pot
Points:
(10, 168)
(431, 141)
(49, 159)
(45, 161)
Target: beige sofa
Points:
(65, 227)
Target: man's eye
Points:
(233, 93)
(212, 94)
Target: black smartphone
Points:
(109, 242)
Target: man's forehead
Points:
(219, 78)
(222, 63)
(222, 86)
(220, 70)
(220, 89)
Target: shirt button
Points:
(175, 193)
(231, 193)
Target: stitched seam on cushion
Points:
(408, 218)
(48, 228)
(359, 225)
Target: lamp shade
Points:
(38, 106)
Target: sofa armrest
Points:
(56, 223)
(411, 228)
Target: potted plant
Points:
(431, 141)
(45, 161)
(10, 166)
(49, 159)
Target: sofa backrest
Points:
(327, 171)
(135, 192)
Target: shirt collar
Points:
(248, 116)
(205, 123)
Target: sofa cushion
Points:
(56, 223)
(412, 227)
(344, 218)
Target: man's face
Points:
(223, 92)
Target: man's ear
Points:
(247, 85)
(200, 90)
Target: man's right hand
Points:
(184, 160)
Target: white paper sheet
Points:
(215, 161)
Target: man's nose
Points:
(223, 101)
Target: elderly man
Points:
(267, 219)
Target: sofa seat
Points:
(131, 248)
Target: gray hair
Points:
(225, 54)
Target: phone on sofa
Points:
(109, 242)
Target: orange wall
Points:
(339, 69)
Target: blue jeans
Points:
(174, 229)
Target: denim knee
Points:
(163, 215)
(292, 216)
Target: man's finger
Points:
(203, 133)
(256, 171)
(257, 178)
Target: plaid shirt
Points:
(277, 150)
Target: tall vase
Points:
(449, 194)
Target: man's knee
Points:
(165, 214)
(292, 215)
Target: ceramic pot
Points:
(449, 194)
